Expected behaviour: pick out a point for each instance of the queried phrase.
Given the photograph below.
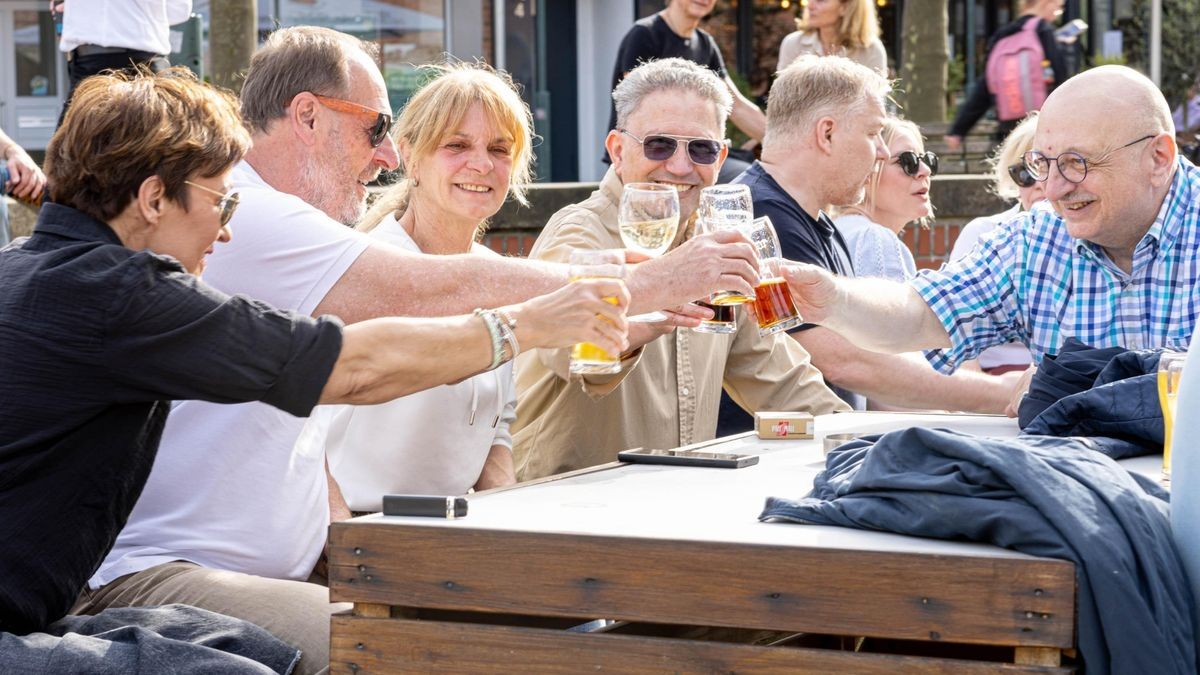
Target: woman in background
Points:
(465, 145)
(847, 28)
(897, 194)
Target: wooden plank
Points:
(1037, 656)
(373, 610)
(968, 599)
(363, 646)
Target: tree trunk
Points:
(922, 86)
(233, 36)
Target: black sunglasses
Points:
(910, 162)
(660, 147)
(1021, 175)
(378, 131)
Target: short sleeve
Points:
(792, 240)
(878, 253)
(170, 336)
(716, 62)
(636, 47)
(976, 298)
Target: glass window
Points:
(409, 32)
(35, 51)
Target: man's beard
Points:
(323, 190)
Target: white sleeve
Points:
(178, 11)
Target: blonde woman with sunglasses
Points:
(897, 194)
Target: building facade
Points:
(560, 51)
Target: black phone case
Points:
(739, 462)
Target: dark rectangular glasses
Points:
(661, 147)
(379, 129)
(910, 162)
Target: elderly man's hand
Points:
(814, 290)
(1021, 382)
(701, 266)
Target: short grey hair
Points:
(670, 75)
(813, 87)
(295, 60)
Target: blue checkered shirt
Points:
(1029, 281)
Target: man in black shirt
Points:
(675, 32)
(104, 322)
(824, 120)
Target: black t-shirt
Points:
(95, 341)
(651, 38)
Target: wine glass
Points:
(648, 219)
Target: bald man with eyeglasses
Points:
(1109, 258)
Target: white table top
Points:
(719, 505)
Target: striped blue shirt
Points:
(1029, 281)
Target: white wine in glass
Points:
(648, 219)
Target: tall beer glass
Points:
(648, 218)
(723, 207)
(1170, 372)
(587, 358)
(773, 304)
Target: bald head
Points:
(1107, 100)
(1111, 129)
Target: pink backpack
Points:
(1015, 76)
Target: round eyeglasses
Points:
(1072, 166)
(910, 162)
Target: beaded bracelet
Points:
(496, 333)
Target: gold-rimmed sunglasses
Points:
(228, 203)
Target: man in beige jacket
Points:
(667, 392)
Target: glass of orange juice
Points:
(587, 358)
(1170, 371)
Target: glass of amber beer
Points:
(587, 358)
(773, 301)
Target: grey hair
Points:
(670, 75)
(294, 60)
(813, 87)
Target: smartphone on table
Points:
(719, 460)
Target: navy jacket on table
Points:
(1052, 497)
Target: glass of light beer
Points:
(587, 358)
(772, 304)
(1170, 372)
(723, 207)
(648, 218)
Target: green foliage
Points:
(1180, 48)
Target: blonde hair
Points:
(892, 127)
(1018, 142)
(859, 25)
(813, 87)
(438, 107)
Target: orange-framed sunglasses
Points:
(383, 121)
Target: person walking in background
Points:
(1024, 64)
(100, 35)
(847, 28)
(675, 32)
